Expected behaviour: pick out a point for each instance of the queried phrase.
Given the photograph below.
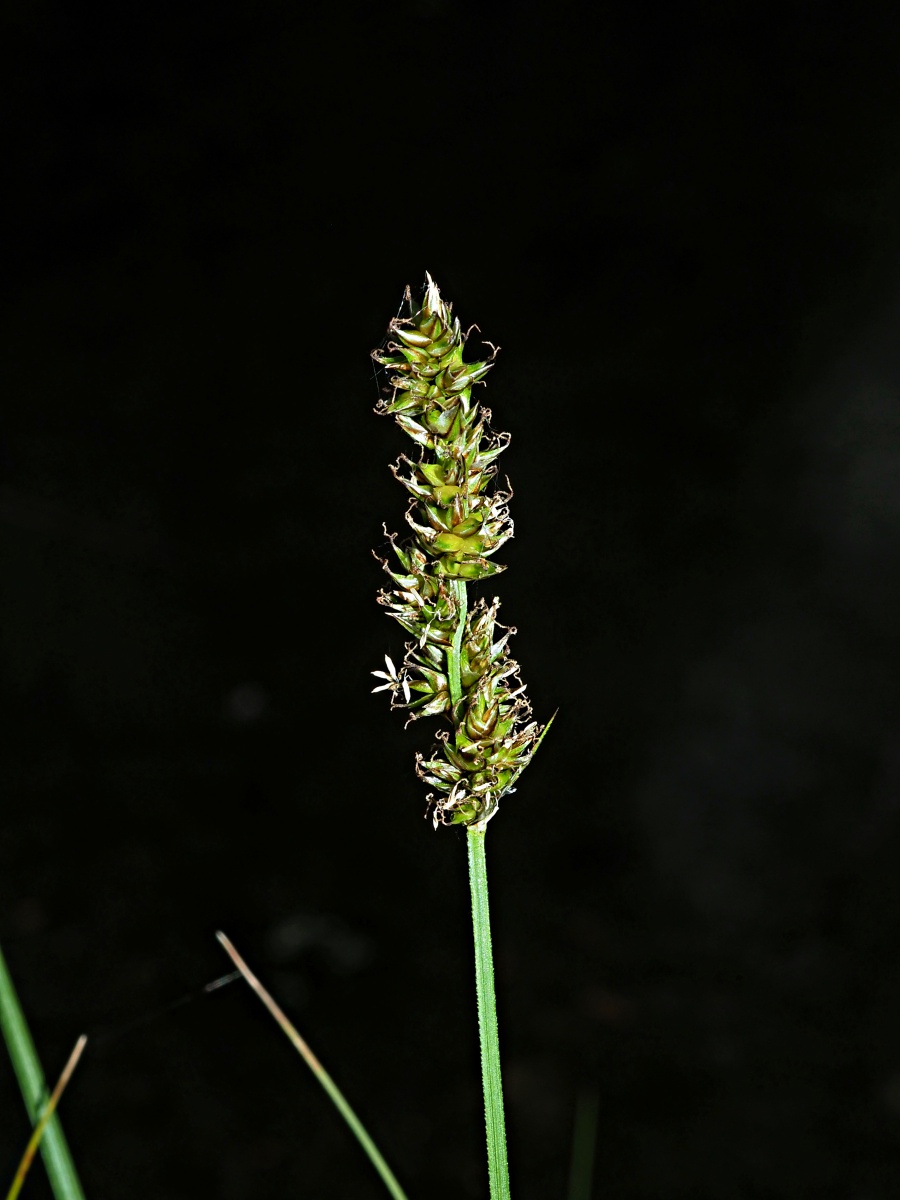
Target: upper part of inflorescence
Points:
(456, 522)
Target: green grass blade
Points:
(334, 1093)
(495, 1123)
(27, 1066)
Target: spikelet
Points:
(459, 518)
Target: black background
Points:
(680, 224)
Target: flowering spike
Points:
(458, 664)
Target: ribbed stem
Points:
(459, 591)
(498, 1170)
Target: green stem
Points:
(498, 1169)
(459, 591)
(27, 1066)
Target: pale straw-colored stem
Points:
(331, 1088)
(49, 1109)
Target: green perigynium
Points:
(458, 663)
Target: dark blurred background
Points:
(681, 225)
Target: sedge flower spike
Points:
(457, 665)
